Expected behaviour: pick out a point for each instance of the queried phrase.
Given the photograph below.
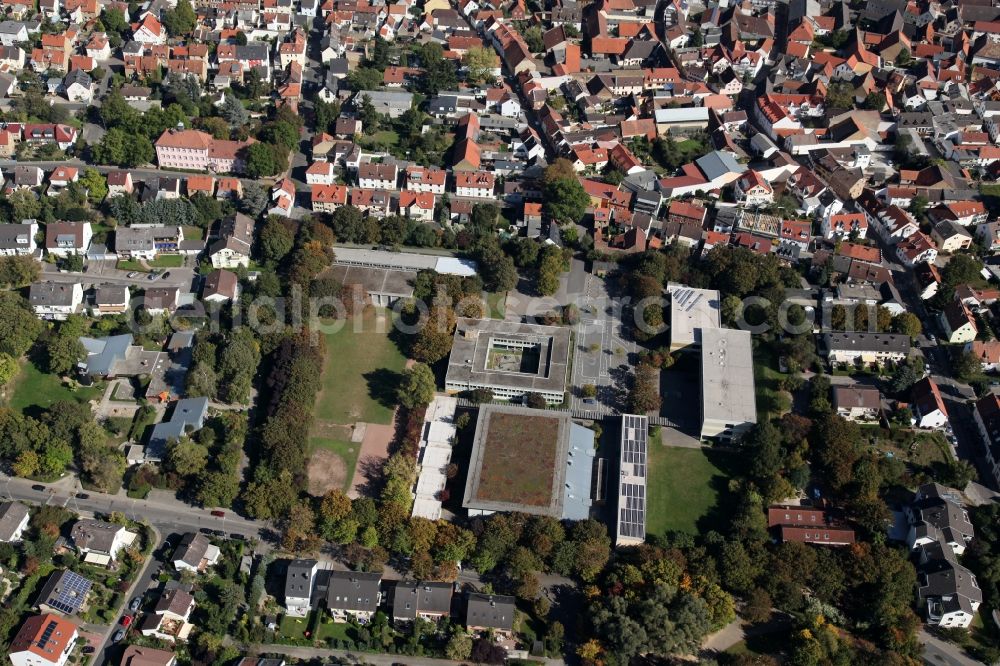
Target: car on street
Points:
(132, 274)
(206, 530)
(120, 634)
(152, 276)
(219, 514)
(165, 275)
(126, 620)
(134, 604)
(238, 537)
(38, 486)
(82, 496)
(219, 533)
(89, 649)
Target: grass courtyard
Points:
(360, 372)
(687, 489)
(33, 388)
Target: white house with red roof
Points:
(43, 640)
(929, 409)
(844, 224)
(149, 30)
(321, 173)
(753, 190)
(417, 205)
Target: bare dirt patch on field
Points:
(326, 471)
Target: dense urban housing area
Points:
(598, 332)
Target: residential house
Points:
(147, 241)
(936, 513)
(987, 352)
(844, 225)
(474, 184)
(958, 323)
(321, 173)
(63, 239)
(353, 594)
(951, 236)
(120, 183)
(857, 403)
(137, 655)
(929, 410)
(987, 417)
(328, 198)
(65, 592)
(428, 601)
(78, 86)
(169, 619)
(188, 416)
(55, 300)
(804, 524)
(426, 179)
(375, 176)
(100, 542)
(199, 151)
(14, 518)
(390, 103)
(221, 286)
(232, 248)
(43, 640)
(300, 583)
(866, 348)
(110, 299)
(490, 613)
(18, 239)
(417, 205)
(195, 553)
(161, 300)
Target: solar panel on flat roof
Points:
(632, 486)
(70, 593)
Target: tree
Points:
(113, 20)
(234, 112)
(961, 269)
(459, 647)
(18, 271)
(907, 323)
(264, 159)
(254, 200)
(840, 95)
(535, 400)
(63, 352)
(186, 457)
(645, 394)
(481, 62)
(95, 184)
(589, 391)
(550, 267)
(417, 387)
(8, 368)
(276, 240)
(180, 20)
(364, 78)
(966, 365)
(533, 38)
(123, 149)
(565, 199)
(498, 270)
(18, 325)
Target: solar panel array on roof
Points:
(70, 593)
(631, 527)
(47, 634)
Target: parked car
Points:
(38, 487)
(219, 514)
(126, 620)
(219, 533)
(89, 649)
(134, 604)
(152, 276)
(132, 274)
(238, 537)
(120, 634)
(82, 496)
(165, 275)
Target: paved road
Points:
(354, 657)
(98, 273)
(942, 653)
(166, 516)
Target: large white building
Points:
(510, 359)
(728, 403)
(691, 310)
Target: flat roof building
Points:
(631, 523)
(531, 461)
(509, 358)
(691, 310)
(729, 406)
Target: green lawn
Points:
(34, 388)
(685, 490)
(162, 261)
(348, 452)
(361, 372)
(771, 400)
(293, 627)
(341, 631)
(497, 303)
(385, 138)
(193, 233)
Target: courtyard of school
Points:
(688, 489)
(356, 404)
